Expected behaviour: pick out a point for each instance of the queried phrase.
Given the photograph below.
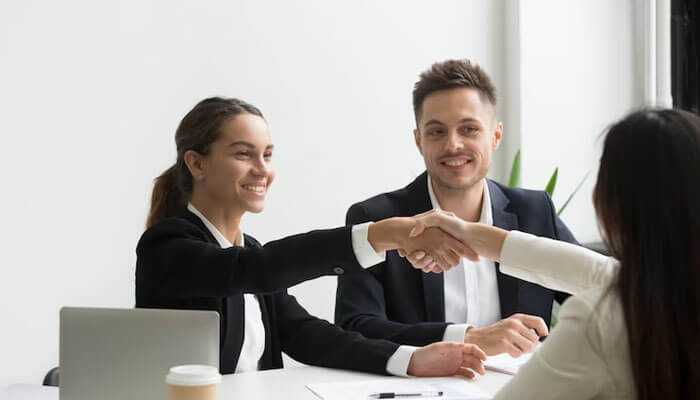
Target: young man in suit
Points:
(456, 133)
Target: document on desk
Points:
(453, 388)
(505, 363)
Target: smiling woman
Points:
(194, 255)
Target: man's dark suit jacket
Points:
(394, 301)
(180, 265)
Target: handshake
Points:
(434, 242)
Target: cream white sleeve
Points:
(566, 366)
(554, 264)
(398, 362)
(364, 252)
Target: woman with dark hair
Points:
(631, 329)
(194, 255)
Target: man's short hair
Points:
(452, 74)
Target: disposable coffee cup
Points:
(193, 382)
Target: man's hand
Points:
(515, 335)
(447, 359)
(434, 250)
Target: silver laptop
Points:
(125, 353)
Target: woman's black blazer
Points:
(181, 266)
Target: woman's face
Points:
(238, 169)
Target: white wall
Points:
(91, 93)
(577, 72)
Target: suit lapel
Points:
(417, 202)
(508, 286)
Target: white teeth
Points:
(256, 189)
(455, 163)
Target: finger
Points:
(460, 248)
(523, 344)
(417, 229)
(473, 363)
(452, 257)
(423, 262)
(474, 350)
(401, 252)
(530, 335)
(427, 264)
(466, 372)
(533, 322)
(512, 350)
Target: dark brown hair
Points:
(647, 198)
(452, 74)
(197, 131)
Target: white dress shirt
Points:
(254, 330)
(471, 288)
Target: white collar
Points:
(486, 212)
(220, 238)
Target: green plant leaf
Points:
(552, 182)
(571, 196)
(514, 180)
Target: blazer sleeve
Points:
(567, 366)
(554, 264)
(360, 304)
(175, 260)
(314, 341)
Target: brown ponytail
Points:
(197, 131)
(166, 197)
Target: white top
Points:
(254, 330)
(586, 356)
(471, 287)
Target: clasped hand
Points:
(437, 241)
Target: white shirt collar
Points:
(220, 238)
(486, 212)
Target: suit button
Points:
(338, 271)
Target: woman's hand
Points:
(433, 246)
(483, 240)
(447, 359)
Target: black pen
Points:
(392, 395)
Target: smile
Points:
(456, 162)
(255, 188)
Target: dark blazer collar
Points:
(416, 201)
(191, 217)
(508, 287)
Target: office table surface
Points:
(288, 383)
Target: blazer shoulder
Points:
(381, 206)
(524, 199)
(173, 227)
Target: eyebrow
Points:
(463, 120)
(249, 145)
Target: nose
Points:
(261, 168)
(453, 142)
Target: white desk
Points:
(289, 383)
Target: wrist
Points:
(389, 234)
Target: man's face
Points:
(456, 135)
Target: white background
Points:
(91, 94)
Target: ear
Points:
(195, 164)
(497, 135)
(417, 138)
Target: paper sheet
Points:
(452, 388)
(506, 364)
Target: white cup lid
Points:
(193, 375)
